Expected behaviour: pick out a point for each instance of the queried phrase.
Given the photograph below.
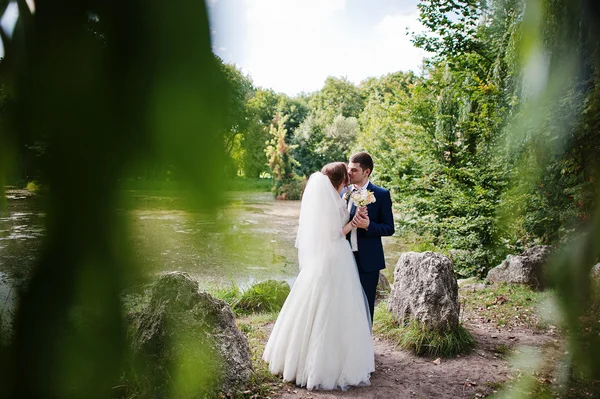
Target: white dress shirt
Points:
(353, 232)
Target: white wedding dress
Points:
(322, 337)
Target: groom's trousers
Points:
(369, 281)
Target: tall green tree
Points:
(239, 91)
(281, 163)
(260, 110)
(461, 108)
(337, 97)
(387, 131)
(329, 130)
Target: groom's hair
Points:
(364, 159)
(337, 173)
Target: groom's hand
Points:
(361, 220)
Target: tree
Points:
(337, 97)
(307, 140)
(461, 107)
(239, 91)
(328, 131)
(281, 163)
(452, 28)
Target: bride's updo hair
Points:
(337, 173)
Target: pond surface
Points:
(249, 240)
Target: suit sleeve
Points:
(386, 226)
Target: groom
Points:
(377, 222)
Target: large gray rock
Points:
(425, 289)
(184, 332)
(526, 268)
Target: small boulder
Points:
(425, 290)
(526, 268)
(595, 275)
(184, 333)
(7, 303)
(595, 272)
(470, 284)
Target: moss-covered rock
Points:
(185, 343)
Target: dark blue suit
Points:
(369, 258)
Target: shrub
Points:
(266, 296)
(420, 340)
(291, 190)
(33, 187)
(229, 293)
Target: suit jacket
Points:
(370, 248)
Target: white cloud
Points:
(288, 43)
(393, 50)
(293, 45)
(293, 12)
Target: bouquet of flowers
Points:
(362, 198)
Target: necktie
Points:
(353, 207)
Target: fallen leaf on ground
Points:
(501, 299)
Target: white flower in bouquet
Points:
(362, 198)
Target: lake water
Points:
(249, 240)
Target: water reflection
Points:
(250, 240)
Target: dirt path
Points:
(401, 375)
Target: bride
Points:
(322, 337)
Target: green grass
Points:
(230, 293)
(266, 296)
(419, 340)
(518, 306)
(506, 305)
(252, 185)
(262, 383)
(255, 309)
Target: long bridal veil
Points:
(321, 219)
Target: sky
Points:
(292, 46)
